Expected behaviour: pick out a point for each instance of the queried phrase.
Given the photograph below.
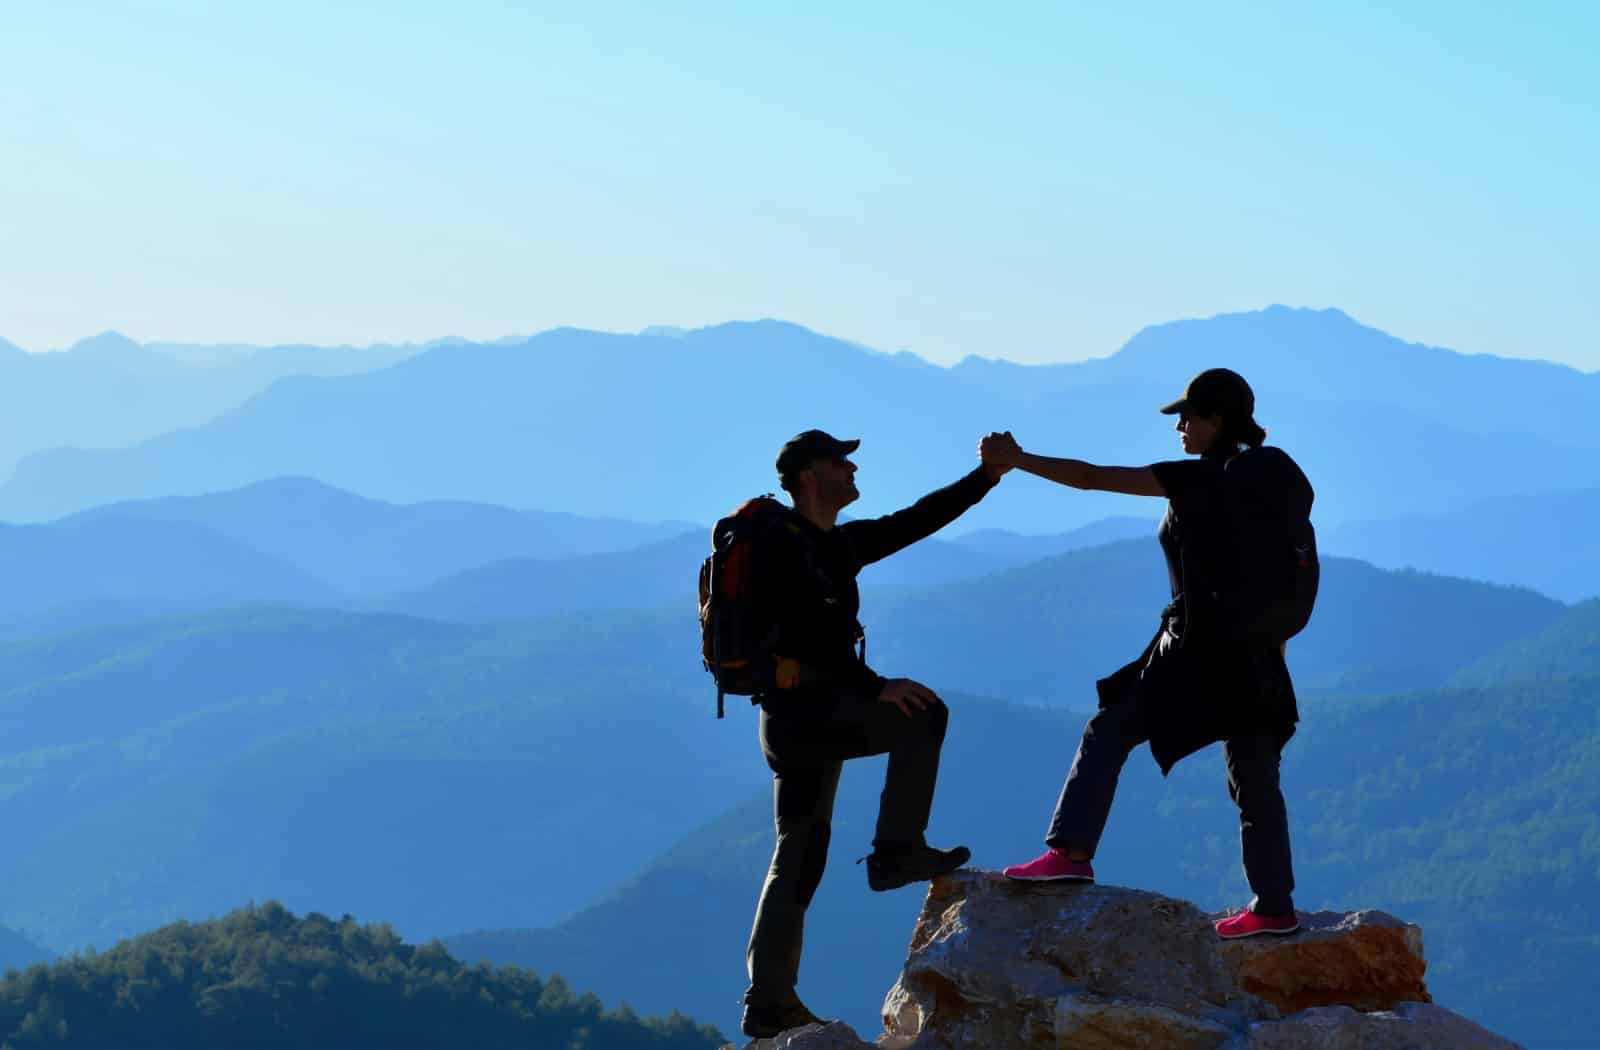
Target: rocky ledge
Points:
(1002, 965)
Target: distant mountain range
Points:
(287, 541)
(298, 542)
(1020, 547)
(1549, 541)
(109, 391)
(172, 565)
(1042, 632)
(681, 427)
(442, 772)
(1566, 647)
(362, 546)
(664, 574)
(456, 776)
(294, 541)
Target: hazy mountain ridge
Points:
(442, 819)
(298, 541)
(1043, 632)
(114, 558)
(1021, 547)
(1549, 541)
(651, 576)
(107, 391)
(1566, 648)
(363, 546)
(536, 423)
(1338, 359)
(298, 753)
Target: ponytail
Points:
(1235, 436)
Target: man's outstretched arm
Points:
(873, 539)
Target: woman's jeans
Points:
(1252, 762)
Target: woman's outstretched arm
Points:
(1002, 449)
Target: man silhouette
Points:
(827, 706)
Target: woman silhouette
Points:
(1215, 669)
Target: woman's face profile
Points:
(1198, 432)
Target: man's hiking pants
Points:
(806, 744)
(1252, 763)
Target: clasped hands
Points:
(1000, 452)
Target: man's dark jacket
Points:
(809, 583)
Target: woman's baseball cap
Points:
(1216, 391)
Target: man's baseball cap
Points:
(1216, 391)
(805, 448)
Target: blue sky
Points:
(1034, 182)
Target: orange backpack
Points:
(736, 630)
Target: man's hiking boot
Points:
(1247, 923)
(895, 866)
(765, 1020)
(1052, 865)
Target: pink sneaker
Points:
(1052, 865)
(1247, 924)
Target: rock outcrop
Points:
(999, 965)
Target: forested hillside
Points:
(263, 979)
